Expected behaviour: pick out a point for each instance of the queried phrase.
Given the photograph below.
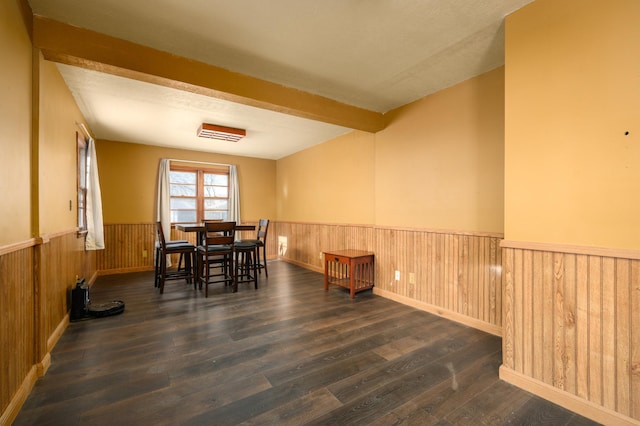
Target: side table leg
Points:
(326, 275)
(352, 283)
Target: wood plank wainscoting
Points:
(455, 275)
(572, 327)
(452, 274)
(130, 247)
(17, 327)
(36, 277)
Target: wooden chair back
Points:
(161, 239)
(219, 233)
(263, 227)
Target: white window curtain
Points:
(164, 201)
(95, 226)
(164, 198)
(234, 195)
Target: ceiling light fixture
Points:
(213, 131)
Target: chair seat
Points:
(259, 243)
(215, 248)
(180, 247)
(173, 242)
(245, 244)
(177, 242)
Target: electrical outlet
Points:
(397, 275)
(412, 278)
(144, 254)
(320, 256)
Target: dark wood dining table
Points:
(199, 228)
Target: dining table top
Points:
(199, 227)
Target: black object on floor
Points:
(82, 308)
(108, 309)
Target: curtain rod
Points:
(84, 130)
(199, 162)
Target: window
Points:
(198, 194)
(83, 167)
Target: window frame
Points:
(200, 197)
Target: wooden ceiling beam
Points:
(63, 43)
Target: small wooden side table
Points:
(352, 269)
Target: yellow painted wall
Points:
(329, 183)
(572, 92)
(439, 164)
(15, 126)
(129, 174)
(59, 114)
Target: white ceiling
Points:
(374, 54)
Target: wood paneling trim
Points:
(304, 265)
(51, 235)
(565, 399)
(498, 235)
(11, 411)
(453, 316)
(355, 225)
(124, 270)
(571, 322)
(10, 248)
(44, 364)
(57, 333)
(565, 248)
(404, 228)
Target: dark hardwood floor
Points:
(287, 353)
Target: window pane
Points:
(183, 203)
(211, 179)
(183, 216)
(82, 166)
(213, 215)
(215, 204)
(81, 209)
(197, 195)
(182, 177)
(183, 190)
(216, 191)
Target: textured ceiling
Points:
(374, 54)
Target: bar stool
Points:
(156, 260)
(261, 245)
(246, 253)
(217, 252)
(185, 250)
